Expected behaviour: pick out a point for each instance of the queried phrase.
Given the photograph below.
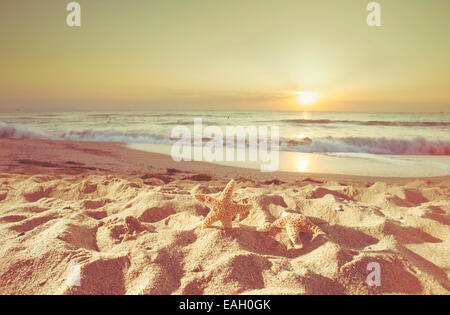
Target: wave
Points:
(371, 123)
(14, 131)
(115, 136)
(416, 146)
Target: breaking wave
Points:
(395, 146)
(416, 146)
(371, 123)
(19, 132)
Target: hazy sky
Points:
(217, 54)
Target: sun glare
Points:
(302, 163)
(307, 98)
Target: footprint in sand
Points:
(156, 214)
(35, 209)
(97, 215)
(87, 187)
(36, 193)
(97, 275)
(321, 192)
(3, 195)
(117, 230)
(32, 223)
(12, 218)
(95, 204)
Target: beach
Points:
(102, 218)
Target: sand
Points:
(98, 218)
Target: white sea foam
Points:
(382, 145)
(14, 131)
(370, 133)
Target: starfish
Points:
(223, 209)
(294, 223)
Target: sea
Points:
(374, 144)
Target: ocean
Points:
(411, 140)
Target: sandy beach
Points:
(100, 218)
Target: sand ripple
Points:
(92, 233)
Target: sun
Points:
(307, 98)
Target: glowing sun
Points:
(307, 98)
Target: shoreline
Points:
(119, 158)
(351, 164)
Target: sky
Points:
(225, 55)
